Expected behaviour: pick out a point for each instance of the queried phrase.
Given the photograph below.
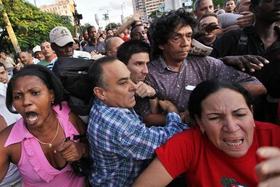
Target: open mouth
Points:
(31, 117)
(234, 143)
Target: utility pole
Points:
(9, 28)
(35, 3)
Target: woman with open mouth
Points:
(221, 148)
(43, 143)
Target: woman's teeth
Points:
(31, 116)
(234, 143)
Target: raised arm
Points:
(154, 176)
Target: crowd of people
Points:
(189, 99)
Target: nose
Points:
(185, 41)
(26, 101)
(230, 125)
(145, 70)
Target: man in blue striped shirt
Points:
(120, 143)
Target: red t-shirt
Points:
(205, 165)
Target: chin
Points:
(237, 154)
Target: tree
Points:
(111, 26)
(218, 2)
(155, 14)
(30, 24)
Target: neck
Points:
(266, 32)
(265, 29)
(50, 58)
(172, 64)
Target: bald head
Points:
(112, 44)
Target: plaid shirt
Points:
(121, 145)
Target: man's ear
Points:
(99, 93)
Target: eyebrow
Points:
(123, 79)
(217, 113)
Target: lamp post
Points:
(9, 28)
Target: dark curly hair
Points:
(43, 73)
(163, 27)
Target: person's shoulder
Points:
(203, 60)
(81, 54)
(188, 134)
(3, 89)
(101, 110)
(266, 126)
(4, 134)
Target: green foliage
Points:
(30, 24)
(111, 26)
(84, 27)
(155, 14)
(218, 2)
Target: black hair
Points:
(89, 28)
(2, 65)
(95, 71)
(127, 49)
(197, 4)
(135, 24)
(163, 27)
(43, 73)
(254, 3)
(205, 88)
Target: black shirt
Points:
(246, 41)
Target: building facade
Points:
(175, 4)
(61, 7)
(146, 7)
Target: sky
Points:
(90, 8)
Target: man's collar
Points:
(166, 67)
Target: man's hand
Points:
(249, 63)
(168, 106)
(269, 170)
(246, 20)
(71, 151)
(144, 90)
